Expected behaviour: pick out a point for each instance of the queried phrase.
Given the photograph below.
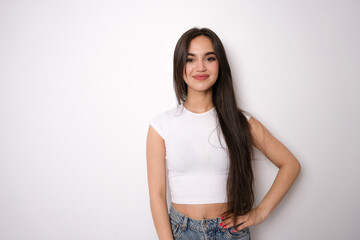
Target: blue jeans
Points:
(183, 228)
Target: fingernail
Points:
(233, 230)
(222, 217)
(224, 226)
(220, 224)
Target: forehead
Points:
(201, 45)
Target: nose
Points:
(201, 66)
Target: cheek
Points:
(188, 70)
(215, 68)
(217, 65)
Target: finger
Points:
(224, 217)
(241, 219)
(242, 226)
(228, 223)
(239, 228)
(226, 220)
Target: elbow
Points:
(297, 167)
(293, 167)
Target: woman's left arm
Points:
(289, 169)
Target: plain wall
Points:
(79, 81)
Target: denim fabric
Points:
(184, 228)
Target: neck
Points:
(199, 101)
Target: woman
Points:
(206, 143)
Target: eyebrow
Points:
(208, 53)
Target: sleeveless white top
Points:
(197, 162)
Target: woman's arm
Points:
(280, 156)
(289, 169)
(155, 157)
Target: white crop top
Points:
(197, 164)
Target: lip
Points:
(201, 76)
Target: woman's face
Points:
(202, 66)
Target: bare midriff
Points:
(201, 211)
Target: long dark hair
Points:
(234, 125)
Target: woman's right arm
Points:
(155, 157)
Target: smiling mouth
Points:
(201, 77)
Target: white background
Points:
(79, 81)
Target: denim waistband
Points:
(199, 225)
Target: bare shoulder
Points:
(259, 134)
(269, 145)
(155, 158)
(155, 145)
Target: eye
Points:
(211, 59)
(190, 60)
